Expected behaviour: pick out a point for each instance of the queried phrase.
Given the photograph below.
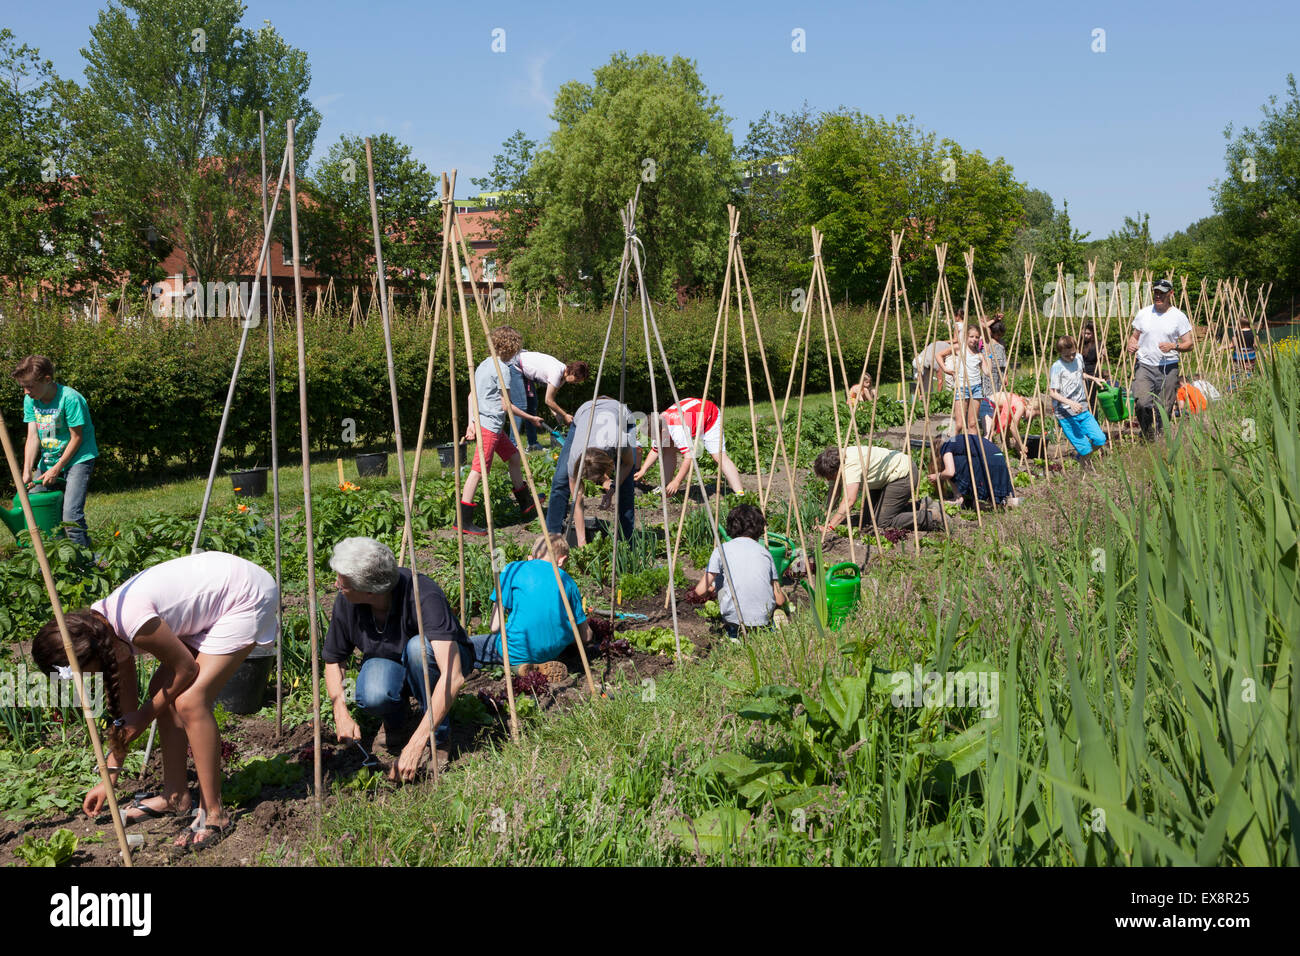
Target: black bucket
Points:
(370, 466)
(246, 688)
(1035, 446)
(595, 526)
(250, 483)
(446, 452)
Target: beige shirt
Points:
(883, 465)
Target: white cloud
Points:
(535, 89)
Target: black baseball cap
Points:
(1164, 285)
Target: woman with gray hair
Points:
(374, 613)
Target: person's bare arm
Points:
(158, 639)
(1134, 337)
(31, 451)
(344, 725)
(646, 464)
(576, 494)
(706, 585)
(74, 443)
(683, 470)
(1074, 406)
(554, 406)
(446, 654)
(523, 415)
(846, 504)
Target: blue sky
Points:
(1138, 127)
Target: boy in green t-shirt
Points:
(61, 449)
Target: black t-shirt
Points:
(352, 627)
(1245, 338)
(1089, 354)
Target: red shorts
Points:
(493, 442)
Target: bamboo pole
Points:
(528, 477)
(56, 604)
(385, 308)
(487, 490)
(309, 534)
(275, 456)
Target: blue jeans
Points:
(1083, 432)
(75, 480)
(486, 649)
(557, 506)
(530, 430)
(383, 686)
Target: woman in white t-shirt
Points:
(540, 370)
(200, 616)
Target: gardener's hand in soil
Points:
(95, 800)
(409, 760)
(346, 728)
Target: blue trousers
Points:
(1083, 432)
(530, 430)
(384, 685)
(557, 506)
(75, 480)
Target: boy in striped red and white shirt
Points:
(683, 427)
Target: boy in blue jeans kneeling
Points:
(754, 590)
(537, 626)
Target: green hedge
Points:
(156, 393)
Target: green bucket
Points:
(47, 507)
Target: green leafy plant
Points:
(242, 786)
(56, 851)
(658, 640)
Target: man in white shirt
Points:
(1160, 332)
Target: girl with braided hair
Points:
(200, 616)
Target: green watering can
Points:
(47, 506)
(1116, 404)
(783, 550)
(843, 588)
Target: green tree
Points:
(166, 129)
(337, 228)
(519, 208)
(861, 177)
(1259, 199)
(643, 121)
(774, 240)
(47, 229)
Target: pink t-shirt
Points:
(214, 602)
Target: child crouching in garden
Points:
(537, 625)
(754, 590)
